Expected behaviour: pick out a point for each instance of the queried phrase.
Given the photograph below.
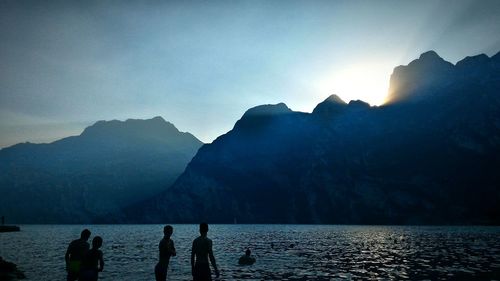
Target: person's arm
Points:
(172, 249)
(192, 259)
(67, 256)
(212, 258)
(101, 262)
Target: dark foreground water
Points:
(283, 252)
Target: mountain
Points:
(429, 156)
(111, 164)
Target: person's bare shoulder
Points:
(196, 241)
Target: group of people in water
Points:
(201, 255)
(84, 263)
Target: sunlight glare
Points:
(358, 82)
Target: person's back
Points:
(201, 248)
(75, 254)
(201, 254)
(92, 262)
(77, 249)
(91, 259)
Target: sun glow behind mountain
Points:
(369, 83)
(202, 65)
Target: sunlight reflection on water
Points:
(283, 252)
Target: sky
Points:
(201, 64)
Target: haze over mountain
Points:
(109, 165)
(429, 156)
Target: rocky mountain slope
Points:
(429, 156)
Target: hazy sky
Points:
(202, 64)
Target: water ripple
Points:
(283, 252)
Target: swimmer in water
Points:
(247, 258)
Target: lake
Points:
(283, 252)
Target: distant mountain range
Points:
(112, 164)
(431, 155)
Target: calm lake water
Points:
(283, 252)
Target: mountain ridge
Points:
(414, 160)
(78, 178)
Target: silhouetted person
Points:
(167, 250)
(93, 262)
(247, 258)
(201, 253)
(75, 253)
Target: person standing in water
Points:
(75, 253)
(167, 250)
(93, 262)
(201, 253)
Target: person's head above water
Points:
(97, 242)
(203, 228)
(168, 230)
(248, 252)
(85, 234)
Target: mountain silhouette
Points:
(428, 156)
(111, 164)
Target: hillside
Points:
(111, 164)
(429, 156)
